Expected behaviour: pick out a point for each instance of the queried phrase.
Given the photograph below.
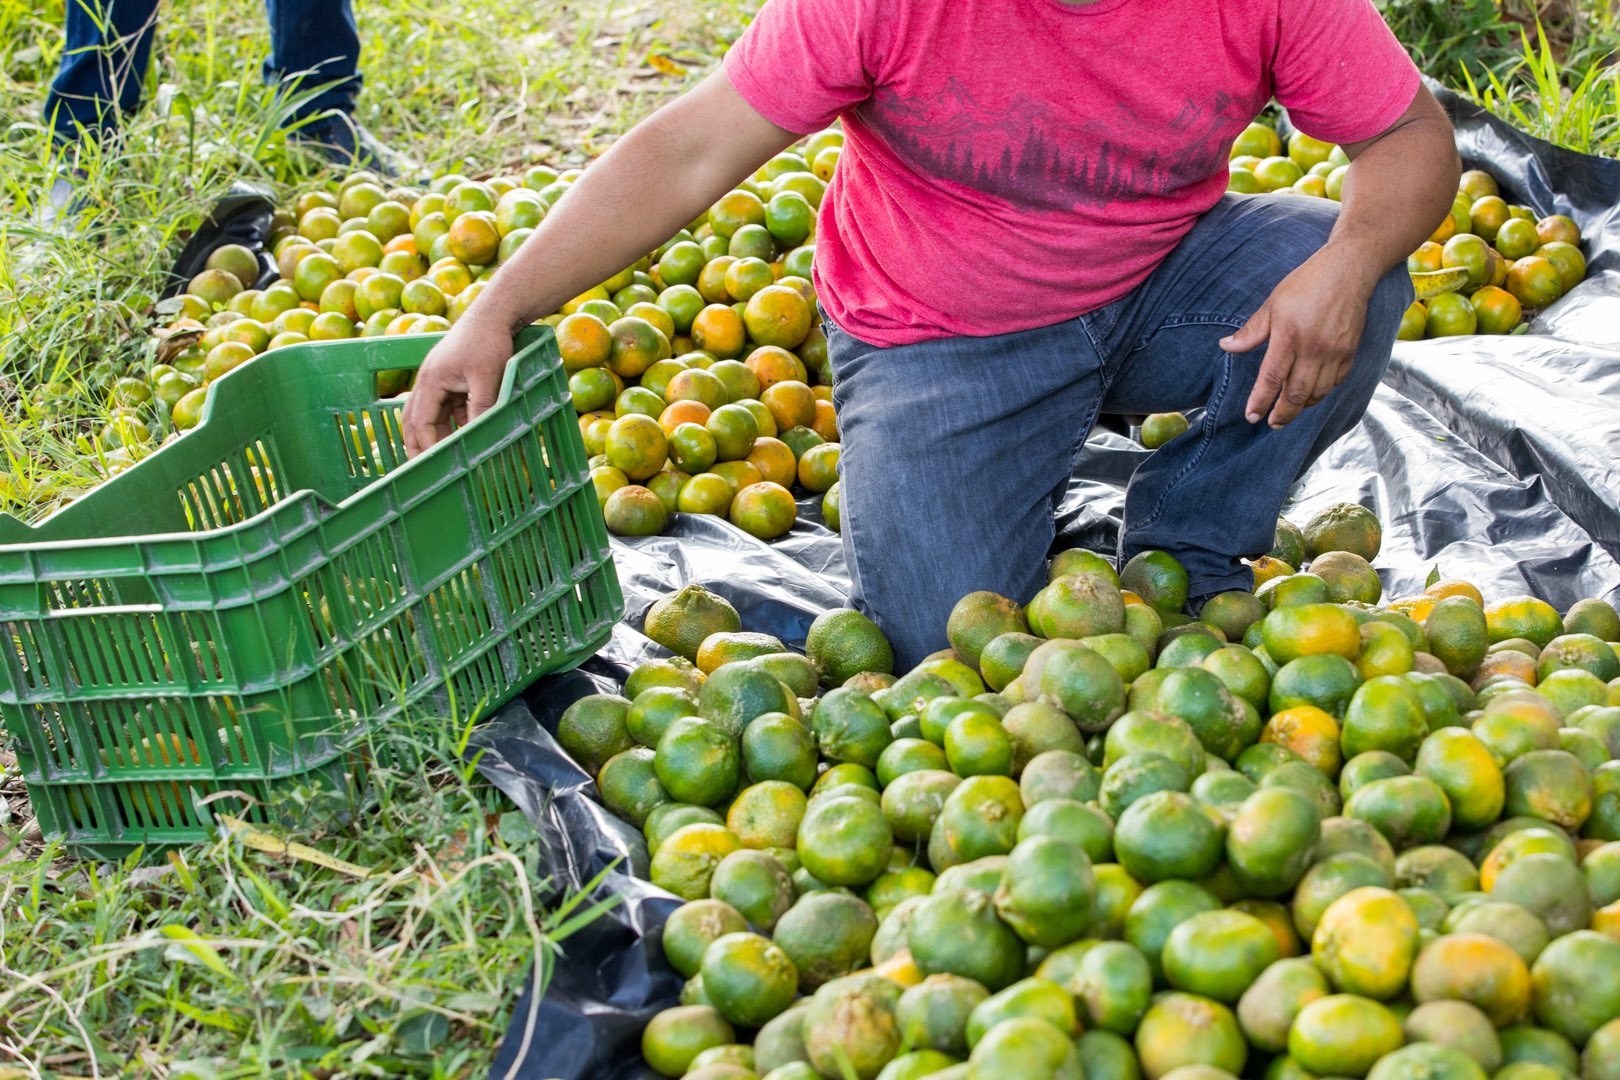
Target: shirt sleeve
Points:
(1339, 70)
(802, 62)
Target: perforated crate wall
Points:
(244, 607)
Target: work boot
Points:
(340, 139)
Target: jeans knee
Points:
(1390, 299)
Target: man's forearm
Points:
(1399, 187)
(648, 186)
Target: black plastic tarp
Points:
(1491, 458)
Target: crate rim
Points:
(524, 339)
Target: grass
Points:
(226, 960)
(230, 961)
(1551, 68)
(1547, 97)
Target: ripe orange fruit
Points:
(1427, 258)
(772, 364)
(1413, 322)
(791, 404)
(1555, 227)
(777, 315)
(1444, 230)
(1534, 281)
(1489, 213)
(696, 384)
(739, 473)
(718, 329)
(1568, 259)
(705, 493)
(711, 283)
(637, 345)
(405, 242)
(826, 424)
(745, 277)
(637, 446)
(683, 412)
(764, 509)
(584, 341)
(818, 468)
(1471, 253)
(1308, 731)
(735, 210)
(1516, 239)
(474, 238)
(654, 314)
(774, 460)
(1451, 314)
(378, 292)
(1498, 310)
(1454, 587)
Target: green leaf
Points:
(191, 947)
(419, 1035)
(1433, 578)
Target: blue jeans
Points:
(955, 451)
(109, 48)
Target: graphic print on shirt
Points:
(1031, 157)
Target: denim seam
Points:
(1211, 411)
(1105, 379)
(1191, 319)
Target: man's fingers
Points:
(424, 417)
(1296, 393)
(1252, 334)
(482, 390)
(1271, 379)
(1329, 376)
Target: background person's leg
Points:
(952, 453)
(314, 42)
(1211, 496)
(105, 56)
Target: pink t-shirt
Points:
(1012, 163)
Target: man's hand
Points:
(459, 379)
(1398, 188)
(1310, 324)
(670, 168)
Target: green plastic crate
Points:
(242, 608)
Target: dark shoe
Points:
(338, 138)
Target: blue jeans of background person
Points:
(955, 451)
(109, 49)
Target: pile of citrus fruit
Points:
(1306, 834)
(700, 373)
(1504, 262)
